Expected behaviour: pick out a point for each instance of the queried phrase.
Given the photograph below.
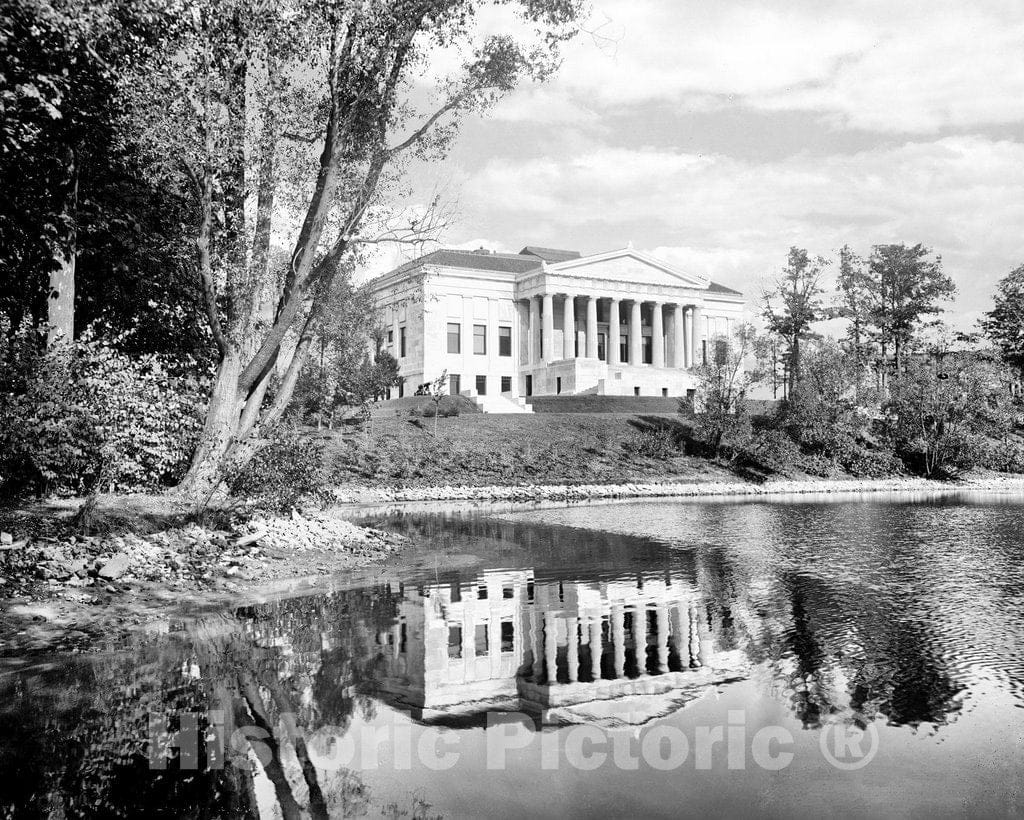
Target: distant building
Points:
(547, 322)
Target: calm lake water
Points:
(856, 658)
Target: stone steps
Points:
(499, 404)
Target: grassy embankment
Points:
(478, 450)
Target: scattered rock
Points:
(115, 567)
(6, 538)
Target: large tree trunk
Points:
(61, 301)
(219, 431)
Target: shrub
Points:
(286, 471)
(85, 416)
(651, 442)
(772, 450)
(873, 463)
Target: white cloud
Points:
(883, 66)
(736, 219)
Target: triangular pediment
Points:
(629, 265)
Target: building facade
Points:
(548, 322)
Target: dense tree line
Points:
(898, 391)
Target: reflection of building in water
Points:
(573, 649)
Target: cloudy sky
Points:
(717, 135)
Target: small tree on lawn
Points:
(722, 387)
(438, 390)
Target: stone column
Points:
(698, 333)
(640, 638)
(613, 332)
(550, 648)
(678, 338)
(535, 653)
(619, 641)
(534, 346)
(657, 336)
(395, 341)
(663, 638)
(695, 648)
(591, 327)
(688, 336)
(636, 344)
(548, 319)
(569, 325)
(595, 648)
(572, 652)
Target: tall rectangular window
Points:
(704, 351)
(506, 384)
(504, 341)
(648, 349)
(481, 639)
(454, 337)
(455, 642)
(623, 348)
(508, 636)
(481, 385)
(401, 342)
(480, 340)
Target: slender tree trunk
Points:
(61, 301)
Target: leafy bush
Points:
(872, 463)
(772, 450)
(942, 416)
(286, 471)
(85, 416)
(652, 442)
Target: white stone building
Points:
(547, 322)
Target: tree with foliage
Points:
(723, 382)
(823, 417)
(943, 414)
(233, 106)
(853, 285)
(905, 286)
(1004, 324)
(85, 238)
(795, 303)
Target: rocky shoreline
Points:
(64, 578)
(350, 494)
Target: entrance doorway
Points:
(529, 385)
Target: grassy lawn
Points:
(481, 449)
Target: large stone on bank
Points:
(115, 567)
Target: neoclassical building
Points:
(614, 652)
(547, 322)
